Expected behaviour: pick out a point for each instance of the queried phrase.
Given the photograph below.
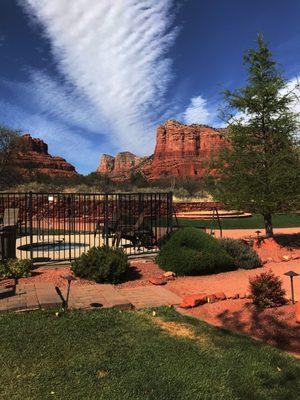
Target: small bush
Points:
(266, 290)
(102, 264)
(14, 268)
(243, 255)
(190, 251)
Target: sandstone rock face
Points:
(34, 158)
(120, 166)
(107, 164)
(184, 151)
(181, 151)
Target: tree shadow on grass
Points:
(272, 326)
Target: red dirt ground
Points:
(276, 326)
(54, 275)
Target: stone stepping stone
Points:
(150, 296)
(47, 295)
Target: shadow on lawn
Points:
(271, 325)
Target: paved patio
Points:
(33, 296)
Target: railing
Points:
(61, 226)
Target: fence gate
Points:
(61, 226)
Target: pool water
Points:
(51, 246)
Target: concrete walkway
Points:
(46, 295)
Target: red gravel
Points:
(54, 275)
(141, 271)
(276, 326)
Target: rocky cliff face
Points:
(184, 150)
(120, 166)
(34, 158)
(181, 151)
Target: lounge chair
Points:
(138, 235)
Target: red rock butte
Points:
(34, 158)
(180, 151)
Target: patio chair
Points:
(8, 233)
(110, 227)
(10, 217)
(137, 234)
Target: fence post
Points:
(70, 223)
(30, 226)
(106, 218)
(170, 211)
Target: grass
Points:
(254, 222)
(109, 354)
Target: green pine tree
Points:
(260, 170)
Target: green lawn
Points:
(256, 221)
(113, 355)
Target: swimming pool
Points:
(51, 246)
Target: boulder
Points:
(193, 300)
(169, 274)
(286, 257)
(220, 296)
(158, 280)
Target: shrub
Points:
(243, 255)
(102, 264)
(14, 268)
(190, 251)
(266, 290)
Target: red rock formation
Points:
(120, 166)
(34, 158)
(184, 151)
(181, 151)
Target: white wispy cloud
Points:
(202, 111)
(293, 87)
(115, 53)
(49, 96)
(197, 112)
(63, 139)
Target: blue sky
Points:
(98, 76)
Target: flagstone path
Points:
(46, 295)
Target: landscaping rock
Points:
(220, 296)
(169, 274)
(193, 300)
(286, 258)
(158, 280)
(7, 282)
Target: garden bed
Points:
(276, 326)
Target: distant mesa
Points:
(34, 158)
(120, 166)
(180, 151)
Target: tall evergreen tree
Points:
(259, 171)
(10, 144)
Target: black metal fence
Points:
(61, 226)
